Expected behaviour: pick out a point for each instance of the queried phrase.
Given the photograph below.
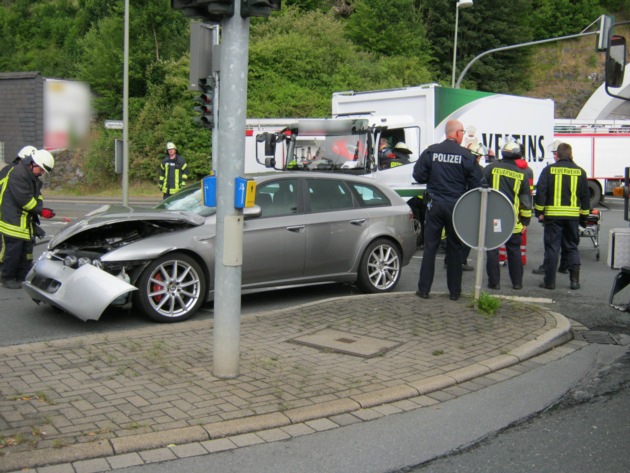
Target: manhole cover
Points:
(345, 342)
(591, 336)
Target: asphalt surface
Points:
(136, 397)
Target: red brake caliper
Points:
(156, 287)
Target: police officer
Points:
(21, 205)
(508, 177)
(561, 205)
(173, 171)
(449, 170)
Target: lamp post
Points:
(460, 4)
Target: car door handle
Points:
(358, 222)
(296, 228)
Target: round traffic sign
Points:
(499, 218)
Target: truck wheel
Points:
(379, 270)
(595, 193)
(171, 288)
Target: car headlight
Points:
(70, 261)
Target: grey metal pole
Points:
(481, 244)
(125, 175)
(229, 239)
(215, 100)
(455, 44)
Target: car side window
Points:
(329, 194)
(277, 197)
(369, 196)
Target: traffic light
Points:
(214, 10)
(206, 103)
(259, 7)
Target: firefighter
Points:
(562, 204)
(512, 180)
(173, 171)
(27, 150)
(21, 205)
(449, 170)
(562, 267)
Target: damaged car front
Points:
(99, 260)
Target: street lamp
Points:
(460, 4)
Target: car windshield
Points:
(189, 199)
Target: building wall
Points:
(21, 112)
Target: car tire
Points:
(171, 288)
(380, 267)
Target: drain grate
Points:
(591, 336)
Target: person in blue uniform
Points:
(449, 170)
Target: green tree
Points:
(552, 18)
(297, 60)
(157, 33)
(389, 28)
(487, 25)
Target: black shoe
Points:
(422, 295)
(517, 286)
(467, 267)
(544, 285)
(494, 286)
(563, 270)
(453, 297)
(11, 283)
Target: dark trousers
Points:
(514, 260)
(439, 216)
(560, 233)
(16, 262)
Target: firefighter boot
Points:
(574, 276)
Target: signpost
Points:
(496, 211)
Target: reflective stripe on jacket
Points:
(562, 191)
(20, 202)
(507, 177)
(173, 174)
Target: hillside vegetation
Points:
(297, 58)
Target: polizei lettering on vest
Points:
(447, 158)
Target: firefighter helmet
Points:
(170, 145)
(512, 150)
(553, 147)
(27, 151)
(44, 160)
(401, 146)
(479, 150)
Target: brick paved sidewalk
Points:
(102, 395)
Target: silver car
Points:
(305, 228)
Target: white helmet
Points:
(401, 146)
(479, 150)
(512, 150)
(553, 147)
(170, 145)
(27, 151)
(44, 160)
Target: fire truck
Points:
(601, 148)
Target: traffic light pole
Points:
(230, 164)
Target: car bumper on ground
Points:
(84, 292)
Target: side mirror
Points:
(615, 61)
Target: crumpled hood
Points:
(111, 214)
